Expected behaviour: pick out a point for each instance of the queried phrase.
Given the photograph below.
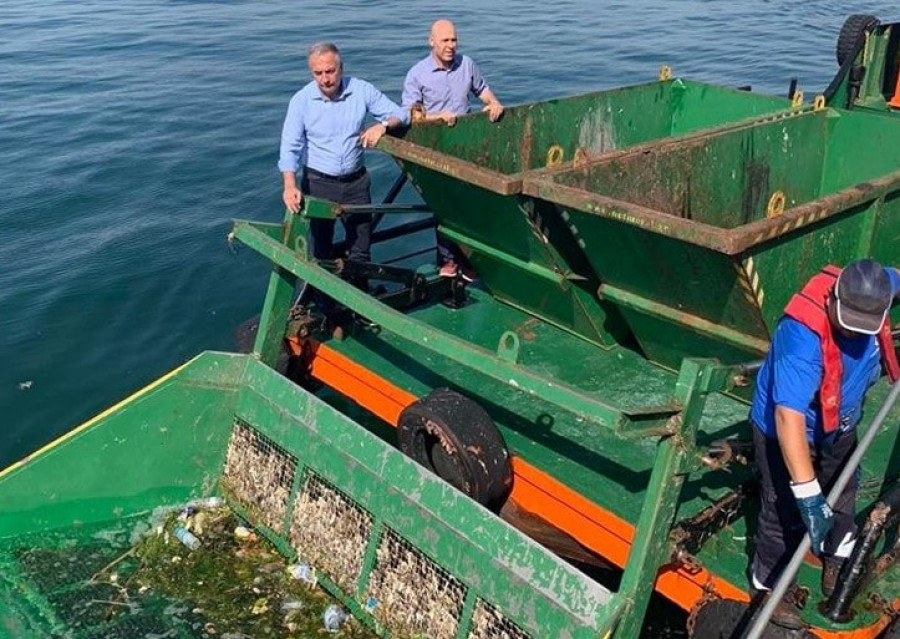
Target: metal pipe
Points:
(792, 88)
(883, 516)
(389, 198)
(379, 209)
(761, 618)
(750, 368)
(391, 233)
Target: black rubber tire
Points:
(891, 632)
(455, 438)
(728, 619)
(854, 28)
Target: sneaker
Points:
(467, 274)
(449, 269)
(831, 570)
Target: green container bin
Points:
(701, 241)
(472, 175)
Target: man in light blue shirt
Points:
(323, 134)
(442, 82)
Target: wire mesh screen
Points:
(259, 474)
(330, 531)
(489, 623)
(414, 596)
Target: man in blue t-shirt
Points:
(827, 351)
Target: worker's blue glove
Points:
(815, 511)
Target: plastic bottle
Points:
(186, 537)
(333, 617)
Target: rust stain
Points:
(526, 144)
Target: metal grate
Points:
(413, 596)
(259, 474)
(330, 532)
(489, 623)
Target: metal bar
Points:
(316, 207)
(540, 184)
(407, 228)
(765, 613)
(452, 166)
(750, 368)
(350, 270)
(859, 567)
(584, 202)
(615, 610)
(406, 297)
(662, 144)
(407, 256)
(501, 256)
(798, 217)
(395, 189)
(279, 298)
(465, 615)
(453, 348)
(698, 324)
(651, 545)
(347, 209)
(391, 195)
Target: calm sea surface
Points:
(132, 132)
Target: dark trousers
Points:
(358, 226)
(779, 526)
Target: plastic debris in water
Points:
(260, 606)
(207, 502)
(333, 617)
(26, 384)
(186, 537)
(187, 513)
(303, 572)
(292, 610)
(291, 604)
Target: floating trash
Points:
(333, 617)
(303, 572)
(207, 502)
(187, 538)
(232, 588)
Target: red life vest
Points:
(808, 308)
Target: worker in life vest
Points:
(829, 348)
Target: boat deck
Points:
(587, 458)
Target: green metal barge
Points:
(437, 451)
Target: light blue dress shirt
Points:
(323, 133)
(440, 89)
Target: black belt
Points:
(349, 177)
